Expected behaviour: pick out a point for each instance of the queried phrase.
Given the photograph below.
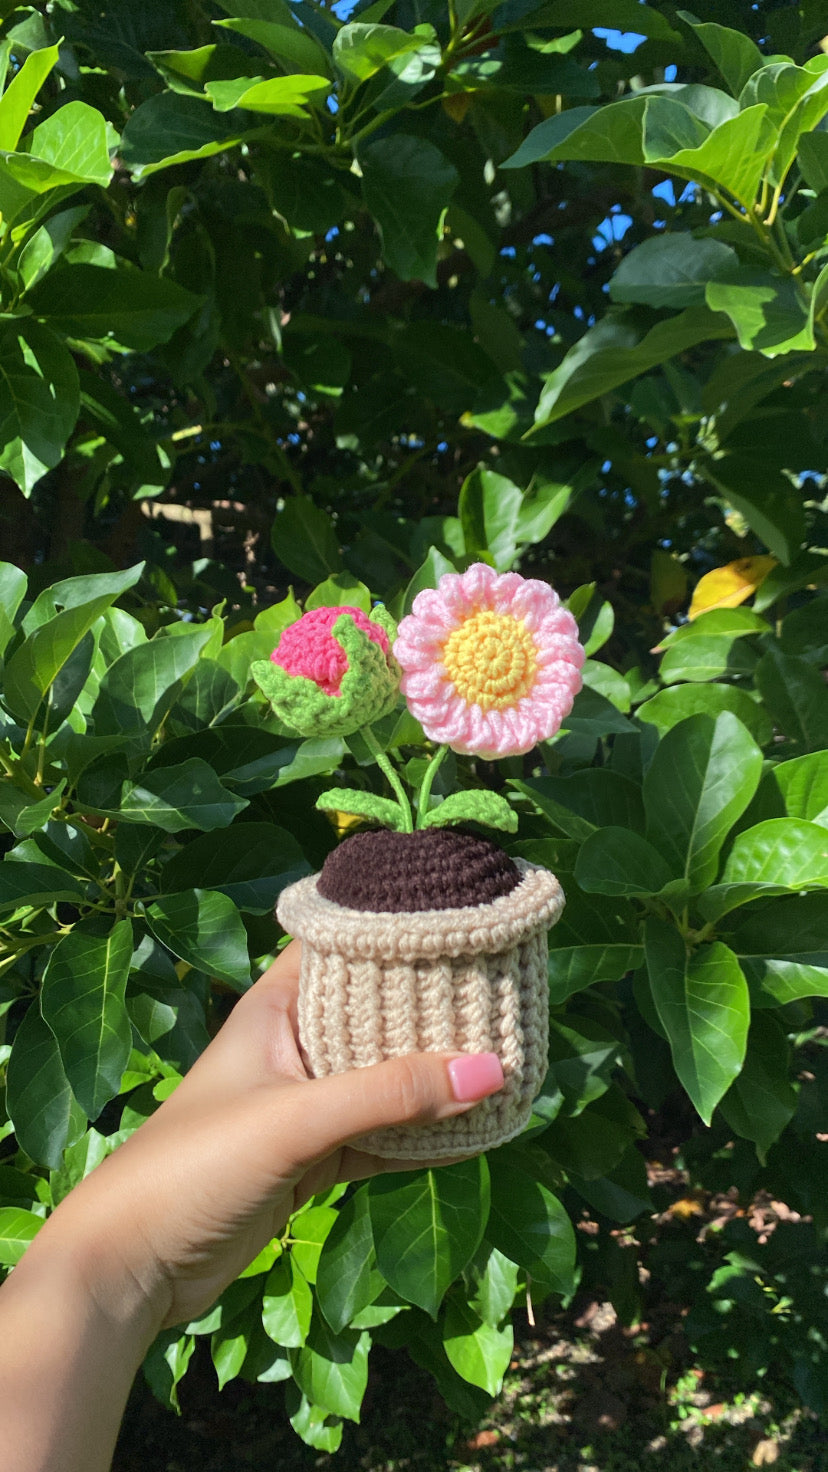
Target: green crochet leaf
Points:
(473, 807)
(362, 805)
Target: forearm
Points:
(68, 1355)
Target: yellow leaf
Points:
(343, 822)
(728, 586)
(456, 105)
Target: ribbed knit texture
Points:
(473, 979)
(434, 869)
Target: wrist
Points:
(106, 1263)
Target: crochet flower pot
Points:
(432, 941)
(423, 938)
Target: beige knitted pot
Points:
(474, 979)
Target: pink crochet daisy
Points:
(491, 664)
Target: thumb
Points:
(418, 1088)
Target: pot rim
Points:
(533, 905)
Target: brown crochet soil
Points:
(436, 869)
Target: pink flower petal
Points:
(432, 696)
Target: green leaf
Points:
(702, 1003)
(320, 754)
(529, 1225)
(16, 102)
(313, 1423)
(766, 312)
(489, 511)
(126, 307)
(205, 929)
(286, 44)
(473, 806)
(602, 134)
(803, 784)
(672, 270)
(592, 1142)
(735, 54)
(340, 588)
(21, 815)
(309, 1230)
(574, 968)
(593, 941)
(168, 129)
(304, 539)
(616, 861)
(582, 1056)
(479, 1351)
(83, 1002)
(73, 142)
(186, 72)
(622, 1194)
(427, 1227)
(804, 631)
(332, 1369)
(13, 583)
(707, 658)
(46, 1116)
(229, 1345)
(175, 798)
(783, 949)
(251, 866)
(732, 158)
(615, 351)
(797, 101)
(773, 857)
(367, 805)
(806, 569)
(39, 400)
(37, 884)
(795, 695)
(542, 506)
(595, 624)
(347, 1278)
(274, 96)
(166, 1365)
(138, 690)
(77, 591)
(703, 775)
(360, 51)
(679, 702)
(287, 1304)
(407, 184)
(577, 805)
(813, 160)
(733, 623)
(762, 1100)
(496, 1287)
(17, 1229)
(428, 575)
(36, 663)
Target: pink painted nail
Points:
(474, 1075)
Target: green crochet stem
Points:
(386, 766)
(425, 789)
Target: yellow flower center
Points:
(491, 660)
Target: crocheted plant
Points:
(425, 937)
(489, 664)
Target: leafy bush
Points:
(308, 312)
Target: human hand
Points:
(191, 1198)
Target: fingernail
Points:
(474, 1076)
